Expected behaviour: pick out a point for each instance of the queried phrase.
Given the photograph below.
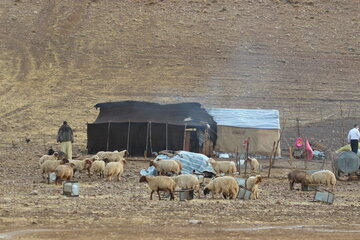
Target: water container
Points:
(51, 177)
(244, 194)
(326, 197)
(71, 188)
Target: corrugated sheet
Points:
(246, 118)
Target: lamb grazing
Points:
(114, 156)
(54, 156)
(114, 169)
(164, 166)
(227, 186)
(254, 164)
(81, 165)
(50, 165)
(298, 176)
(252, 184)
(324, 177)
(98, 167)
(226, 167)
(187, 181)
(160, 183)
(65, 171)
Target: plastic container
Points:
(71, 188)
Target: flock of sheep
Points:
(111, 164)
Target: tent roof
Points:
(135, 111)
(246, 118)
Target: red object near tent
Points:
(309, 151)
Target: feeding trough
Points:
(185, 194)
(71, 188)
(326, 197)
(345, 164)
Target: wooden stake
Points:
(246, 153)
(290, 157)
(236, 160)
(270, 160)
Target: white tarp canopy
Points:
(246, 118)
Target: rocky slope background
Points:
(59, 58)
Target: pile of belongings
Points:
(192, 162)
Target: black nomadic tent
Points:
(146, 127)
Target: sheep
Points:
(324, 177)
(54, 156)
(50, 165)
(227, 186)
(160, 183)
(114, 156)
(98, 166)
(252, 184)
(298, 176)
(180, 164)
(65, 171)
(163, 166)
(82, 165)
(254, 164)
(226, 167)
(187, 181)
(114, 169)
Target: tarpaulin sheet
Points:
(246, 118)
(190, 161)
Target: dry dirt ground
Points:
(59, 58)
(32, 209)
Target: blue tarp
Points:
(246, 118)
(190, 161)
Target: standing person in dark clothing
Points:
(353, 138)
(65, 137)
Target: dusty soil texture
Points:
(59, 58)
(32, 209)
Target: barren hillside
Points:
(59, 58)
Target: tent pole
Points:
(184, 136)
(108, 133)
(166, 146)
(150, 139)
(128, 137)
(147, 137)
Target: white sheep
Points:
(114, 169)
(160, 183)
(187, 181)
(114, 156)
(54, 156)
(252, 185)
(164, 166)
(254, 164)
(98, 167)
(65, 171)
(50, 165)
(227, 186)
(226, 167)
(324, 177)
